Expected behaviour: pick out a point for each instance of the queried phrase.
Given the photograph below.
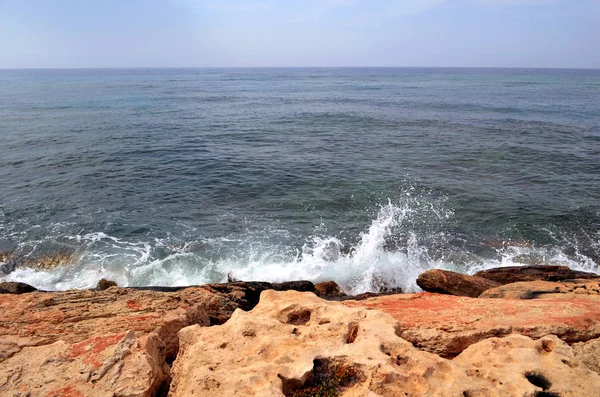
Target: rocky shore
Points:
(531, 331)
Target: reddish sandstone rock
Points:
(96, 343)
(104, 343)
(446, 325)
(452, 283)
(515, 274)
(570, 289)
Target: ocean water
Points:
(364, 176)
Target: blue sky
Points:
(187, 33)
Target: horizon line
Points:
(299, 67)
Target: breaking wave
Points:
(404, 239)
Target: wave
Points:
(388, 255)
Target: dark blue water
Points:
(180, 176)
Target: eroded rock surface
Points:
(569, 289)
(103, 343)
(295, 344)
(515, 274)
(519, 366)
(446, 325)
(452, 283)
(92, 343)
(589, 354)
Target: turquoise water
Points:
(180, 176)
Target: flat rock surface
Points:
(515, 274)
(295, 344)
(446, 325)
(567, 290)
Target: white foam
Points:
(369, 268)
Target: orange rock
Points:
(93, 343)
(446, 325)
(295, 344)
(104, 343)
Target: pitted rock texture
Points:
(115, 342)
(93, 343)
(446, 325)
(295, 344)
(452, 283)
(519, 366)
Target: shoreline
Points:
(268, 339)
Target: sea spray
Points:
(402, 241)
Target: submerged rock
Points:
(452, 283)
(10, 287)
(515, 274)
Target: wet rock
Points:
(347, 250)
(569, 289)
(9, 287)
(225, 298)
(231, 279)
(515, 274)
(105, 284)
(329, 289)
(295, 344)
(446, 324)
(452, 283)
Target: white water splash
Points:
(368, 267)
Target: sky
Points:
(273, 33)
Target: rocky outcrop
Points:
(452, 283)
(225, 298)
(329, 290)
(447, 325)
(295, 344)
(104, 343)
(105, 284)
(515, 274)
(570, 289)
(93, 343)
(121, 342)
(11, 287)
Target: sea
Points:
(364, 176)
